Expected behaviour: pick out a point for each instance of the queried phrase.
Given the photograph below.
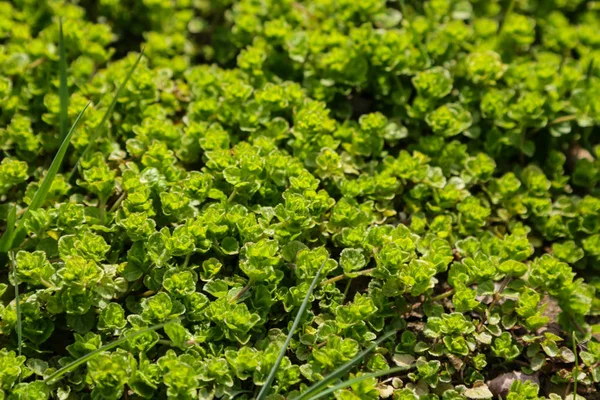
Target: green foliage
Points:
(298, 199)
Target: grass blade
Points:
(8, 237)
(590, 70)
(42, 192)
(507, 14)
(352, 381)
(576, 369)
(107, 114)
(18, 305)
(63, 90)
(317, 387)
(10, 227)
(263, 392)
(81, 360)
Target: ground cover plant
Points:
(279, 199)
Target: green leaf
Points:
(433, 83)
(265, 389)
(74, 364)
(352, 260)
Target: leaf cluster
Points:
(299, 199)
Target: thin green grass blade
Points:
(265, 389)
(12, 218)
(40, 196)
(63, 90)
(42, 192)
(18, 304)
(507, 14)
(351, 382)
(590, 70)
(322, 384)
(107, 114)
(576, 369)
(10, 227)
(81, 360)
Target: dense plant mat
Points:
(278, 199)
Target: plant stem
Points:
(559, 120)
(347, 288)
(241, 293)
(497, 295)
(118, 202)
(564, 118)
(443, 295)
(187, 260)
(342, 276)
(232, 196)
